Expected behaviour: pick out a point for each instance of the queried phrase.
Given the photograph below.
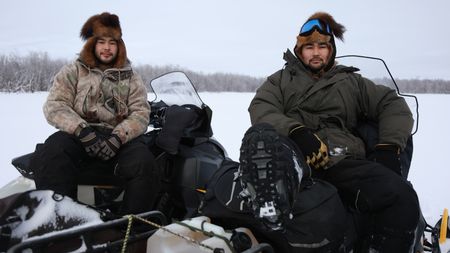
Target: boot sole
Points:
(261, 167)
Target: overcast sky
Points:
(237, 36)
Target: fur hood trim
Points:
(337, 29)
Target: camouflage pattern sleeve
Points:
(59, 106)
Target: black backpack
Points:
(319, 219)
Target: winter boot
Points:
(270, 174)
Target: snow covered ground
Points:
(23, 125)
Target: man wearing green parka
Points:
(319, 106)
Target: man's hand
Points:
(90, 141)
(109, 147)
(387, 155)
(314, 150)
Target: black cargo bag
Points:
(319, 218)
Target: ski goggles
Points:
(315, 24)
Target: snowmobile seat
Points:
(95, 185)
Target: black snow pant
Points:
(387, 198)
(61, 160)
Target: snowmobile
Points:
(188, 158)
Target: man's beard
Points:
(316, 69)
(108, 62)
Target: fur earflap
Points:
(337, 29)
(104, 24)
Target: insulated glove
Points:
(312, 147)
(109, 147)
(90, 140)
(387, 155)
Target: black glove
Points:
(312, 147)
(387, 155)
(90, 141)
(109, 147)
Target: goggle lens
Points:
(315, 24)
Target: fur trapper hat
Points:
(323, 36)
(102, 25)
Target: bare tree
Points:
(30, 73)
(35, 72)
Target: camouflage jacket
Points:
(114, 99)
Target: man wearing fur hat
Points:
(319, 105)
(100, 106)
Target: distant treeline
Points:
(204, 82)
(35, 71)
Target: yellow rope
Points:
(127, 234)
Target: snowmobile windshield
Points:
(175, 88)
(377, 70)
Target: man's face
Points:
(106, 50)
(315, 55)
